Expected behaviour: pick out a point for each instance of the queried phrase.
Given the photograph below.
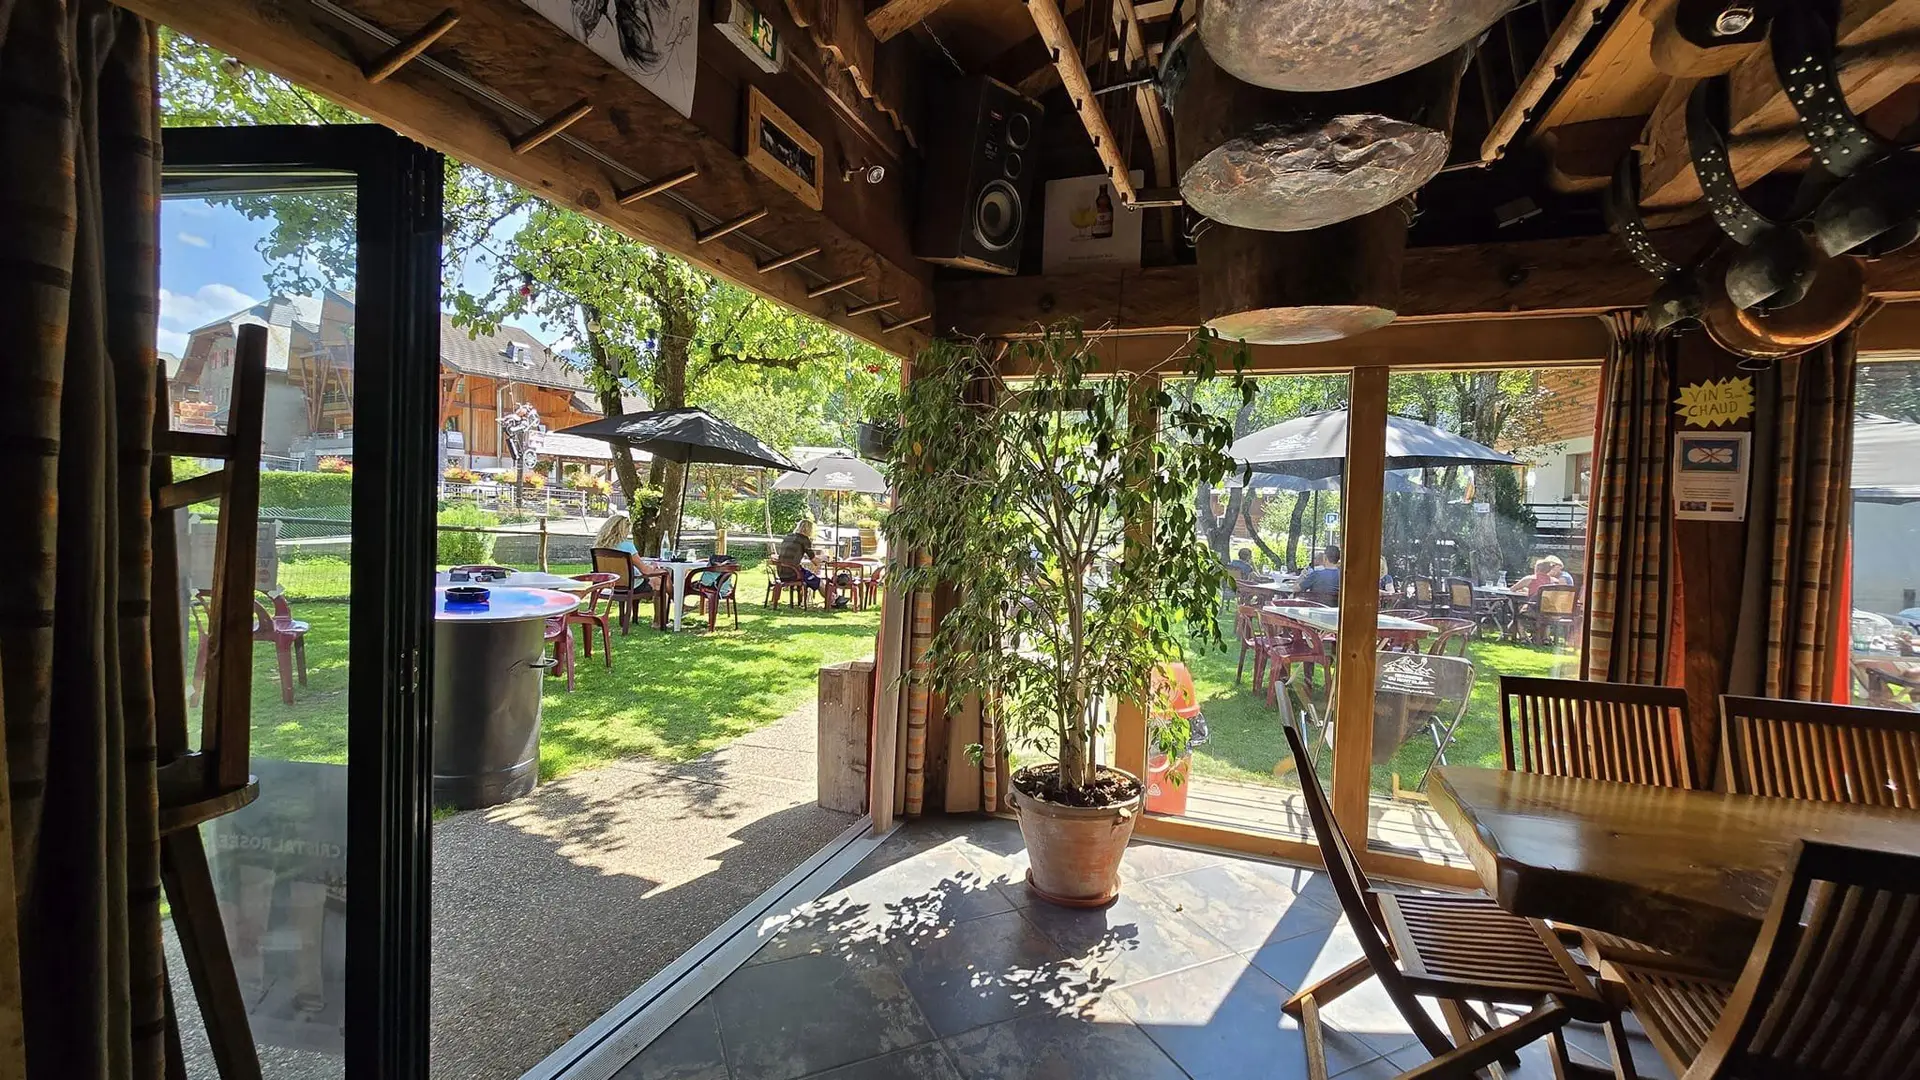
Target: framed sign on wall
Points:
(782, 149)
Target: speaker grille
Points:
(997, 216)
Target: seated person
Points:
(1548, 571)
(617, 533)
(795, 552)
(1322, 583)
(1241, 565)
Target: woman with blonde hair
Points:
(617, 532)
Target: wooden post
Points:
(1359, 597)
(845, 704)
(1130, 722)
(229, 699)
(543, 544)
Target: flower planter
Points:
(874, 440)
(1075, 851)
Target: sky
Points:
(210, 270)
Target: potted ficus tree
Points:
(1031, 502)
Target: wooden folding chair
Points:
(1828, 992)
(198, 785)
(1453, 947)
(1827, 753)
(1595, 730)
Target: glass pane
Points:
(280, 864)
(1885, 648)
(1484, 543)
(1280, 537)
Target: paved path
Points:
(549, 910)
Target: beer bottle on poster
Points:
(1102, 215)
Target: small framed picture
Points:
(782, 149)
(750, 31)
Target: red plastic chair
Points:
(286, 634)
(716, 592)
(596, 609)
(560, 632)
(1289, 643)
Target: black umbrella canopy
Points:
(838, 471)
(684, 435)
(1314, 446)
(1266, 483)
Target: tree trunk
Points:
(608, 393)
(1295, 522)
(670, 392)
(1246, 514)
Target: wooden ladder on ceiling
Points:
(200, 784)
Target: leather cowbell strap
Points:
(1775, 263)
(1874, 209)
(1678, 297)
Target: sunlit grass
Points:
(1246, 743)
(669, 696)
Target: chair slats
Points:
(1829, 990)
(1827, 753)
(1452, 947)
(1595, 730)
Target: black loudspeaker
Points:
(977, 197)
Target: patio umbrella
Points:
(685, 436)
(839, 472)
(1884, 451)
(1314, 447)
(1398, 481)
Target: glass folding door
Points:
(328, 238)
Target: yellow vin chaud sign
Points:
(1716, 402)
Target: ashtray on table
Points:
(467, 594)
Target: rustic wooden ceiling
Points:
(1557, 92)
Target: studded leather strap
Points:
(1623, 217)
(1802, 41)
(1678, 296)
(1707, 143)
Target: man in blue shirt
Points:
(1322, 583)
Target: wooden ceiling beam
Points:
(628, 125)
(1052, 24)
(895, 17)
(1876, 57)
(1579, 276)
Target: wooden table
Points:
(1404, 633)
(1688, 871)
(522, 579)
(1272, 589)
(864, 567)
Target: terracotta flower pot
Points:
(1075, 850)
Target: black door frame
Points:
(398, 185)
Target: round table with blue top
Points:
(489, 657)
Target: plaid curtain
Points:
(79, 190)
(1629, 600)
(1812, 447)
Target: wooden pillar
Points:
(1359, 597)
(1130, 720)
(1711, 560)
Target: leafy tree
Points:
(642, 321)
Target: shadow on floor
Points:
(930, 960)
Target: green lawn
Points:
(1244, 731)
(670, 696)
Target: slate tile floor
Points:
(930, 961)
